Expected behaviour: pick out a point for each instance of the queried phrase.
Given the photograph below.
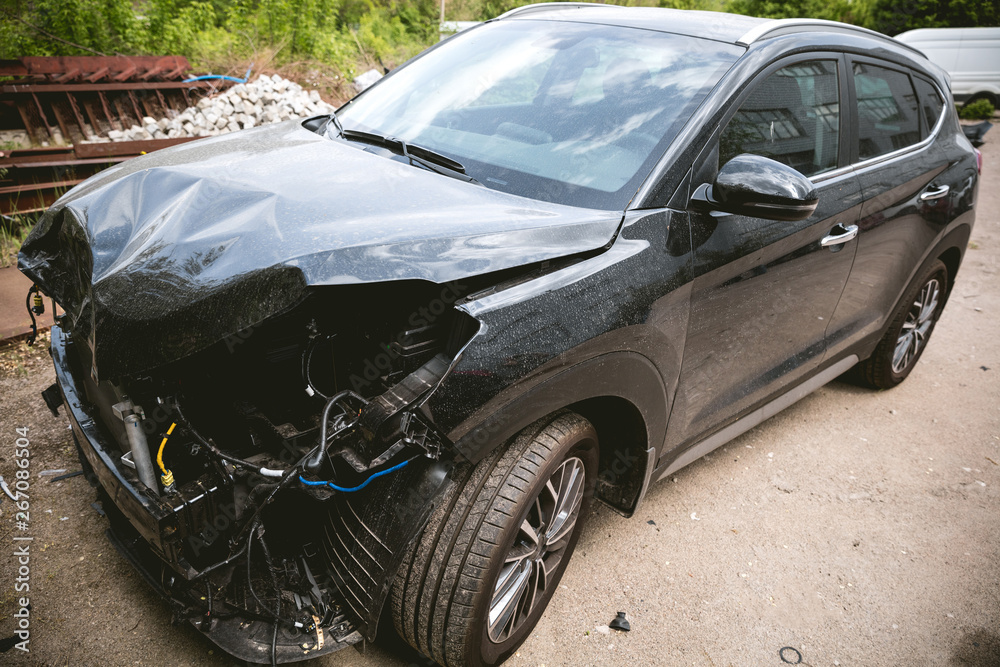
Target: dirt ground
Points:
(858, 527)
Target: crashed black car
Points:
(381, 362)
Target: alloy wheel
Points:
(917, 325)
(538, 549)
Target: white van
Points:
(971, 56)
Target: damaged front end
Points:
(248, 348)
(270, 484)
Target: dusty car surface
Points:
(377, 365)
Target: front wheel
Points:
(911, 327)
(476, 582)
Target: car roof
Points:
(719, 26)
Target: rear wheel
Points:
(478, 579)
(911, 327)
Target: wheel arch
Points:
(621, 393)
(950, 250)
(952, 259)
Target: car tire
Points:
(477, 537)
(909, 331)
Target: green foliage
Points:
(980, 109)
(886, 16)
(344, 34)
(895, 16)
(106, 26)
(856, 12)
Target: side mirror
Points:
(758, 187)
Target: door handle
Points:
(850, 231)
(931, 195)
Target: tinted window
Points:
(931, 103)
(887, 110)
(792, 117)
(572, 113)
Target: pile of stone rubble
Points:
(268, 99)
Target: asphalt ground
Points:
(856, 527)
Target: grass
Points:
(12, 235)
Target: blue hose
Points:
(246, 77)
(360, 486)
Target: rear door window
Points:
(888, 119)
(793, 116)
(931, 103)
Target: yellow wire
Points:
(159, 454)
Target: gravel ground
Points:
(859, 527)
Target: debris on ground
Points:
(619, 622)
(66, 476)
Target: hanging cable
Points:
(36, 308)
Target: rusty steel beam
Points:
(76, 113)
(63, 163)
(122, 76)
(27, 187)
(126, 148)
(49, 66)
(135, 107)
(41, 113)
(112, 120)
(88, 108)
(26, 119)
(15, 88)
(68, 76)
(99, 74)
(64, 127)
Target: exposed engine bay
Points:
(283, 470)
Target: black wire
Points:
(208, 615)
(207, 443)
(34, 324)
(307, 363)
(277, 595)
(249, 579)
(274, 582)
(314, 458)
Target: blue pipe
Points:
(206, 77)
(359, 486)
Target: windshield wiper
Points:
(336, 123)
(425, 157)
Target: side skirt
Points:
(767, 411)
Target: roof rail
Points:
(543, 6)
(787, 26)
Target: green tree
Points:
(61, 27)
(895, 16)
(856, 12)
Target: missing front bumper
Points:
(355, 545)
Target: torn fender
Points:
(168, 253)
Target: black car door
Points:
(907, 192)
(764, 290)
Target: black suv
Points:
(383, 360)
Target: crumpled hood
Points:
(168, 253)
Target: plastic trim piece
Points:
(741, 426)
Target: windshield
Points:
(570, 113)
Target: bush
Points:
(981, 109)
